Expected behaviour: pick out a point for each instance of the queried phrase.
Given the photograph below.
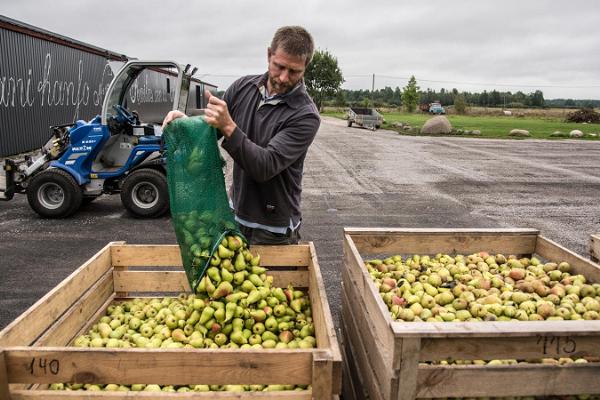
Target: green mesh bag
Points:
(200, 208)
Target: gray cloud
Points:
(537, 42)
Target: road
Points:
(353, 177)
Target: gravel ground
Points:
(353, 177)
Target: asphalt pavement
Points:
(353, 177)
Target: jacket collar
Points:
(295, 98)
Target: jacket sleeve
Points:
(289, 144)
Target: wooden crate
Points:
(33, 348)
(595, 247)
(388, 354)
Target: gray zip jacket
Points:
(269, 146)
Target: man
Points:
(268, 122)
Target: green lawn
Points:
(490, 126)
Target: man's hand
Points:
(172, 115)
(217, 115)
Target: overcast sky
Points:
(468, 44)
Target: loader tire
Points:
(145, 193)
(54, 193)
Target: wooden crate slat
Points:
(433, 241)
(79, 314)
(409, 366)
(323, 323)
(3, 377)
(375, 307)
(595, 247)
(555, 252)
(353, 312)
(353, 387)
(82, 395)
(176, 281)
(162, 366)
(322, 370)
(169, 255)
(97, 315)
(363, 362)
(40, 316)
(523, 348)
(514, 380)
(495, 329)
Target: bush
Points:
(584, 115)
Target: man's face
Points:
(285, 71)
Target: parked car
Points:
(436, 108)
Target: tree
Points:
(410, 95)
(537, 98)
(323, 76)
(460, 104)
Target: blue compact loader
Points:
(114, 152)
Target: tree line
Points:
(388, 97)
(324, 79)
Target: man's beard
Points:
(280, 88)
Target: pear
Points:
(224, 289)
(230, 309)
(238, 337)
(234, 243)
(256, 281)
(254, 296)
(226, 275)
(258, 315)
(224, 252)
(239, 277)
(271, 324)
(235, 297)
(207, 314)
(213, 273)
(240, 262)
(179, 336)
(219, 315)
(210, 287)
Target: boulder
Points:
(437, 125)
(476, 132)
(576, 133)
(507, 112)
(519, 133)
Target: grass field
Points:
(490, 126)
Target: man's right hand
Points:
(172, 115)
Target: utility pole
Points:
(373, 90)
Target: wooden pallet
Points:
(388, 354)
(33, 348)
(595, 247)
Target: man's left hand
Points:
(217, 115)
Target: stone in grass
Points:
(476, 132)
(437, 125)
(519, 133)
(576, 133)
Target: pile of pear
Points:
(235, 306)
(111, 387)
(482, 287)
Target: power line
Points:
(578, 86)
(406, 78)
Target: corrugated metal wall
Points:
(45, 83)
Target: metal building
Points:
(47, 79)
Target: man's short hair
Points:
(295, 41)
